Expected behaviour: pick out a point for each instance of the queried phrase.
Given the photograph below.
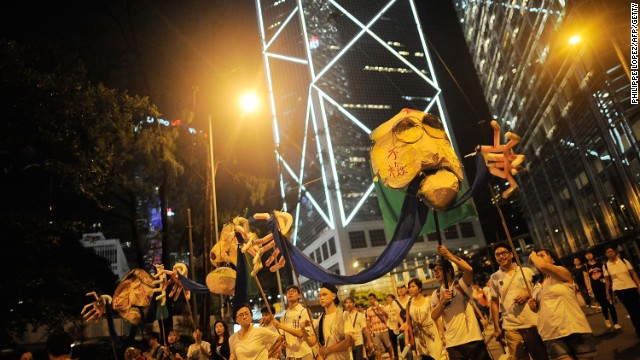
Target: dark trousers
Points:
(357, 352)
(585, 295)
(631, 301)
(475, 350)
(394, 341)
(600, 293)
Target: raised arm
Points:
(559, 272)
(467, 270)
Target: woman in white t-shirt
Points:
(561, 323)
(422, 331)
(251, 343)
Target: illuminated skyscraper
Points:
(554, 72)
(336, 70)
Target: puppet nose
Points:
(440, 188)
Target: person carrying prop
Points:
(620, 276)
(251, 343)
(421, 331)
(462, 334)
(294, 323)
(335, 335)
(509, 296)
(200, 349)
(561, 323)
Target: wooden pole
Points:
(506, 231)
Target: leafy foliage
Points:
(66, 147)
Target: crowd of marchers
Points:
(537, 316)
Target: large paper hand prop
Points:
(501, 160)
(224, 254)
(134, 294)
(413, 142)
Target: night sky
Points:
(165, 49)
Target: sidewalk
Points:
(619, 345)
(611, 345)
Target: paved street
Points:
(618, 345)
(621, 344)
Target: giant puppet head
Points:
(412, 142)
(133, 295)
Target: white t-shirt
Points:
(358, 322)
(425, 331)
(296, 347)
(506, 287)
(194, 352)
(620, 277)
(460, 323)
(255, 345)
(559, 313)
(335, 328)
(394, 312)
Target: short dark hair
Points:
(392, 296)
(293, 287)
(499, 245)
(349, 298)
(235, 311)
(372, 294)
(265, 309)
(552, 255)
(59, 343)
(154, 335)
(416, 281)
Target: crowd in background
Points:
(537, 316)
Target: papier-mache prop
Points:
(134, 295)
(411, 155)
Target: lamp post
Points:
(249, 102)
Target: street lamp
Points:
(249, 102)
(574, 39)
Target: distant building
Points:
(109, 249)
(336, 72)
(554, 73)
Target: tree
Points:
(68, 151)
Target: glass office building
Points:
(335, 71)
(556, 73)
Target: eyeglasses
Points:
(502, 253)
(243, 314)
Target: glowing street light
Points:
(249, 102)
(575, 39)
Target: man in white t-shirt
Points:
(294, 323)
(359, 324)
(462, 335)
(620, 276)
(335, 335)
(377, 324)
(509, 295)
(403, 300)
